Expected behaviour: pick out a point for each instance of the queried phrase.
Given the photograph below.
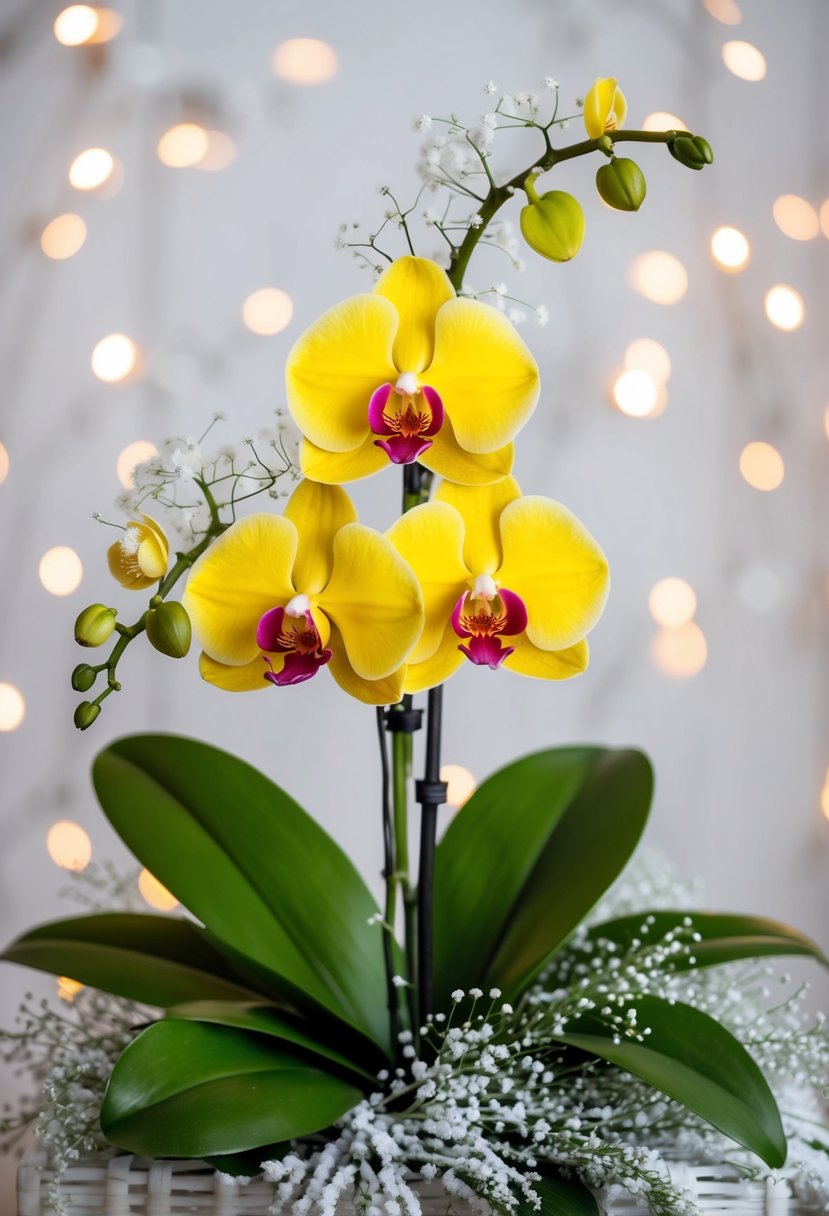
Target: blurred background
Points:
(175, 173)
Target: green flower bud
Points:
(552, 224)
(691, 150)
(621, 183)
(95, 625)
(83, 677)
(86, 713)
(168, 628)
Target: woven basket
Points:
(134, 1186)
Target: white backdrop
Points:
(741, 749)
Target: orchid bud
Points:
(552, 224)
(169, 629)
(86, 713)
(691, 150)
(95, 625)
(621, 184)
(83, 677)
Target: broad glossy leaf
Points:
(696, 1061)
(252, 865)
(157, 960)
(726, 936)
(527, 857)
(188, 1089)
(560, 1196)
(265, 1019)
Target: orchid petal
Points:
(417, 287)
(480, 508)
(528, 660)
(248, 678)
(334, 468)
(317, 512)
(334, 368)
(243, 574)
(374, 600)
(402, 449)
(448, 459)
(430, 539)
(438, 668)
(605, 107)
(558, 569)
(485, 374)
(387, 691)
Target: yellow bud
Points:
(139, 558)
(95, 625)
(605, 108)
(169, 630)
(553, 224)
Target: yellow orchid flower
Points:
(139, 558)
(410, 372)
(507, 580)
(605, 108)
(276, 598)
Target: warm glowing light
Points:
(461, 783)
(12, 707)
(91, 169)
(824, 218)
(76, 25)
(795, 217)
(132, 455)
(725, 11)
(636, 393)
(730, 249)
(63, 236)
(4, 464)
(663, 120)
(154, 894)
(2, 449)
(659, 277)
(68, 989)
(824, 795)
(114, 357)
(221, 152)
(785, 307)
(744, 60)
(648, 355)
(305, 61)
(762, 466)
(267, 311)
(184, 145)
(109, 25)
(68, 845)
(680, 651)
(60, 570)
(672, 602)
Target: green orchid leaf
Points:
(527, 857)
(245, 859)
(725, 936)
(188, 1089)
(560, 1196)
(157, 960)
(693, 1059)
(265, 1019)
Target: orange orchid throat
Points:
(291, 631)
(485, 615)
(407, 415)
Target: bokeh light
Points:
(305, 61)
(824, 795)
(672, 602)
(730, 249)
(91, 168)
(784, 307)
(795, 217)
(823, 216)
(4, 464)
(12, 707)
(267, 311)
(68, 845)
(184, 145)
(762, 466)
(659, 277)
(75, 25)
(648, 355)
(2, 449)
(461, 783)
(109, 25)
(114, 357)
(221, 152)
(680, 651)
(132, 455)
(154, 894)
(725, 11)
(63, 236)
(744, 60)
(68, 989)
(663, 120)
(637, 394)
(60, 570)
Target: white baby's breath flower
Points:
(490, 88)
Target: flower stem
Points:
(431, 794)
(389, 873)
